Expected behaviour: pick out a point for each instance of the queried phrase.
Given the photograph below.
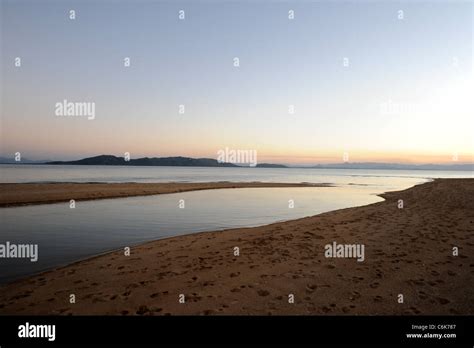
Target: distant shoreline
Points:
(180, 161)
(13, 195)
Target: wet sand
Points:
(408, 251)
(44, 193)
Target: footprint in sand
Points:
(354, 295)
(142, 310)
(326, 309)
(374, 285)
(422, 295)
(419, 282)
(208, 312)
(412, 310)
(357, 279)
(443, 301)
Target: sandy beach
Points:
(408, 251)
(44, 193)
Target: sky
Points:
(362, 79)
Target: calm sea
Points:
(73, 173)
(65, 235)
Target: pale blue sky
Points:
(423, 61)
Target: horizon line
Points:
(25, 160)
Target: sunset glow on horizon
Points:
(338, 78)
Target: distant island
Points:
(270, 165)
(110, 160)
(179, 161)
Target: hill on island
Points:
(110, 160)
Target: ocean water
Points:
(65, 235)
(74, 173)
